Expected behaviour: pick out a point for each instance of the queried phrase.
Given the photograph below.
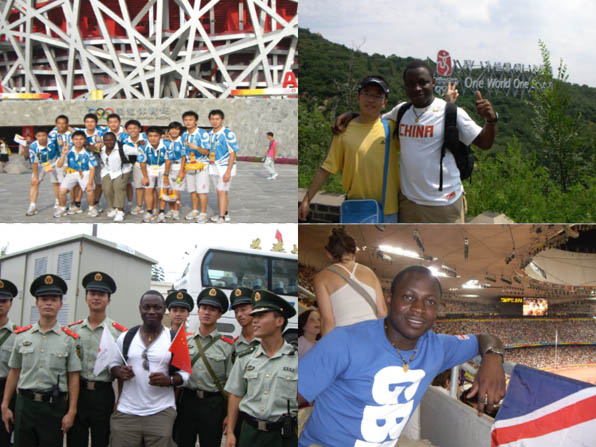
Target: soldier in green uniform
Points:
(7, 292)
(203, 405)
(179, 304)
(263, 384)
(44, 366)
(96, 398)
(241, 299)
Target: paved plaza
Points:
(253, 198)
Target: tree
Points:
(560, 144)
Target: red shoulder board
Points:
(23, 329)
(69, 332)
(76, 322)
(119, 327)
(236, 338)
(227, 339)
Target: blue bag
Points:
(368, 210)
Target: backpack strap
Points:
(400, 114)
(386, 166)
(123, 156)
(450, 137)
(128, 340)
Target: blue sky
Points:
(494, 30)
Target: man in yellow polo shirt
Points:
(360, 154)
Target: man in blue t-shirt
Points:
(368, 378)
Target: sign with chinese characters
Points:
(490, 77)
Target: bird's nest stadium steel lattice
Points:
(146, 48)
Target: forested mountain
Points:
(555, 169)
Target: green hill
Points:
(328, 75)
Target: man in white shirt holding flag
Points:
(146, 407)
(97, 345)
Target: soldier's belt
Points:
(39, 396)
(92, 385)
(202, 394)
(260, 424)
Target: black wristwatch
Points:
(495, 120)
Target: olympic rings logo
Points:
(100, 112)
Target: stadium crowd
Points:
(518, 331)
(543, 357)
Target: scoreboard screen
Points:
(511, 306)
(535, 307)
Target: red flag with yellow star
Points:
(179, 350)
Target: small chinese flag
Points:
(278, 236)
(179, 350)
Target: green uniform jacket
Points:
(89, 342)
(266, 384)
(219, 355)
(6, 347)
(241, 345)
(42, 357)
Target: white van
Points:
(227, 268)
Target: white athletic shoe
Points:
(227, 217)
(73, 209)
(136, 210)
(60, 212)
(112, 212)
(56, 204)
(202, 218)
(93, 212)
(119, 217)
(147, 217)
(220, 220)
(31, 210)
(176, 215)
(274, 176)
(192, 215)
(161, 218)
(170, 214)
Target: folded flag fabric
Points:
(107, 351)
(543, 409)
(179, 350)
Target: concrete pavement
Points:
(253, 198)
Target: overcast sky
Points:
(166, 243)
(494, 30)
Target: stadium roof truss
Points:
(146, 49)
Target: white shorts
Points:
(219, 183)
(41, 174)
(137, 176)
(73, 178)
(60, 173)
(154, 182)
(197, 181)
(174, 171)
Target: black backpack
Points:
(130, 334)
(130, 159)
(464, 159)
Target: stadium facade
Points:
(151, 60)
(146, 49)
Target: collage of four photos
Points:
(287, 223)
